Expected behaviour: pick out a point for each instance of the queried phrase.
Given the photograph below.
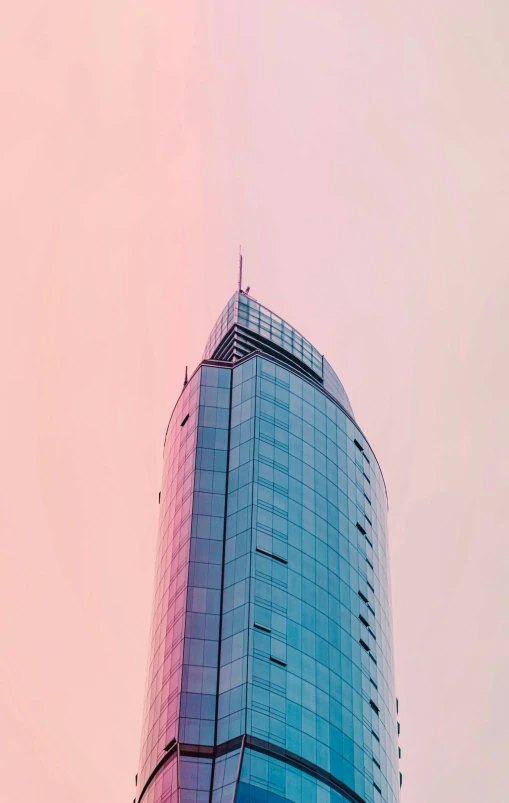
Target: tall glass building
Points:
(271, 674)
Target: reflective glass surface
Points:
(223, 324)
(162, 701)
(247, 312)
(306, 657)
(271, 671)
(265, 779)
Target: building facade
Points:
(271, 674)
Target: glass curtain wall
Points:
(271, 671)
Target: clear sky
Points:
(359, 151)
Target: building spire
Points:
(185, 378)
(240, 269)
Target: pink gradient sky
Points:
(360, 153)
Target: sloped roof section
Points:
(245, 326)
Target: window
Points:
(262, 627)
(271, 555)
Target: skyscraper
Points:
(271, 673)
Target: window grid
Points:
(303, 659)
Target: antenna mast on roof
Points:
(240, 269)
(186, 380)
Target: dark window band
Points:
(261, 746)
(270, 555)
